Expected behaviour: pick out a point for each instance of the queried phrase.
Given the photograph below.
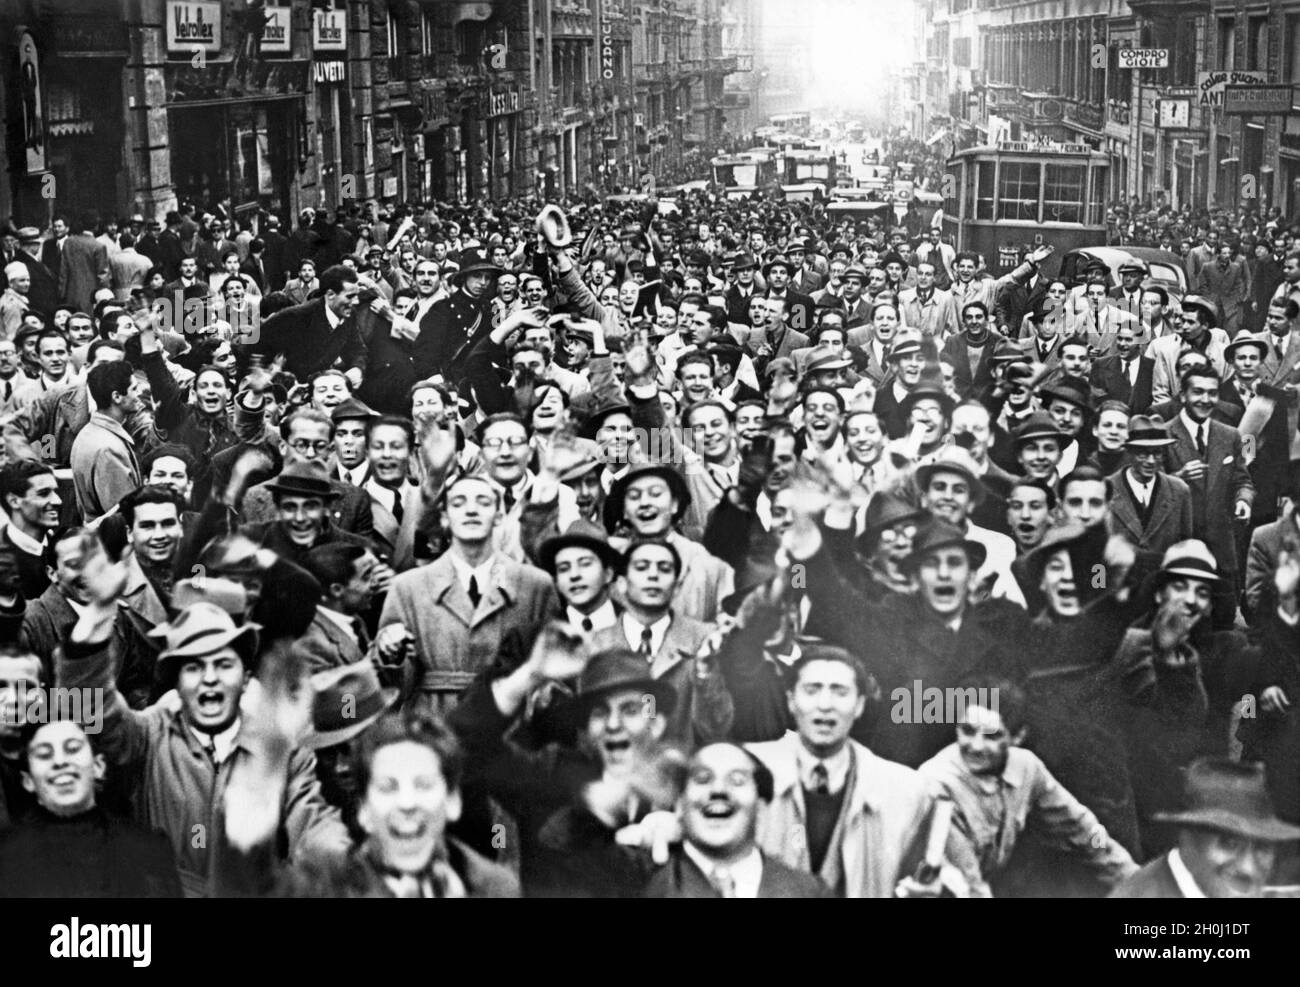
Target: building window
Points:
(1257, 44)
(426, 33)
(1227, 43)
(1291, 53)
(984, 195)
(961, 52)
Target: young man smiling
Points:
(30, 494)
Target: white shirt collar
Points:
(340, 620)
(1183, 877)
(331, 318)
(746, 873)
(25, 542)
(1193, 427)
(837, 767)
(658, 631)
(483, 572)
(223, 743)
(603, 616)
(355, 476)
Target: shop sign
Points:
(330, 71)
(193, 24)
(499, 104)
(277, 33)
(329, 30)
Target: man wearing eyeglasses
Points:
(308, 436)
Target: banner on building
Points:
(193, 24)
(29, 82)
(1252, 100)
(277, 33)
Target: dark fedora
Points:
(936, 534)
(932, 388)
(303, 479)
(743, 261)
(580, 534)
(780, 260)
(954, 459)
(1147, 432)
(612, 405)
(1074, 390)
(616, 670)
(1086, 545)
(351, 409)
(345, 701)
(474, 260)
(1229, 797)
(614, 502)
(884, 510)
(1039, 425)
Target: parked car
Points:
(1166, 268)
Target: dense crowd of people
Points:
(720, 550)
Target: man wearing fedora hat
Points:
(739, 294)
(907, 358)
(180, 756)
(1148, 506)
(302, 496)
(584, 566)
(1196, 330)
(1037, 444)
(43, 293)
(569, 799)
(1268, 421)
(950, 488)
(1068, 400)
(1227, 837)
(779, 273)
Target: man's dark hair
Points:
(392, 421)
(1081, 474)
(824, 652)
(410, 725)
(101, 344)
(333, 563)
(150, 493)
(17, 477)
(639, 543)
(708, 403)
(1010, 699)
(1207, 371)
(975, 304)
(717, 316)
(108, 379)
(500, 416)
(307, 414)
(50, 557)
(1025, 481)
(1288, 305)
(169, 450)
(1073, 341)
(334, 278)
(819, 389)
(1156, 289)
(694, 356)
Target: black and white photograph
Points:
(627, 449)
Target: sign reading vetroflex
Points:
(276, 34)
(1249, 100)
(193, 24)
(329, 31)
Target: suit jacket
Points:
(1100, 327)
(702, 715)
(386, 526)
(390, 371)
(1128, 304)
(52, 255)
(807, 281)
(1266, 543)
(681, 878)
(1169, 522)
(255, 268)
(1229, 288)
(738, 303)
(800, 309)
(1166, 350)
(326, 645)
(935, 317)
(1108, 375)
(451, 635)
(303, 334)
(1155, 880)
(1215, 494)
(955, 352)
(83, 269)
(884, 825)
(105, 466)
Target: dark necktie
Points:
(363, 637)
(509, 498)
(1277, 348)
(586, 624)
(821, 779)
(646, 638)
(1128, 369)
(1200, 442)
(474, 594)
(398, 510)
(9, 389)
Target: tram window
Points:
(1018, 196)
(1063, 194)
(1097, 200)
(984, 201)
